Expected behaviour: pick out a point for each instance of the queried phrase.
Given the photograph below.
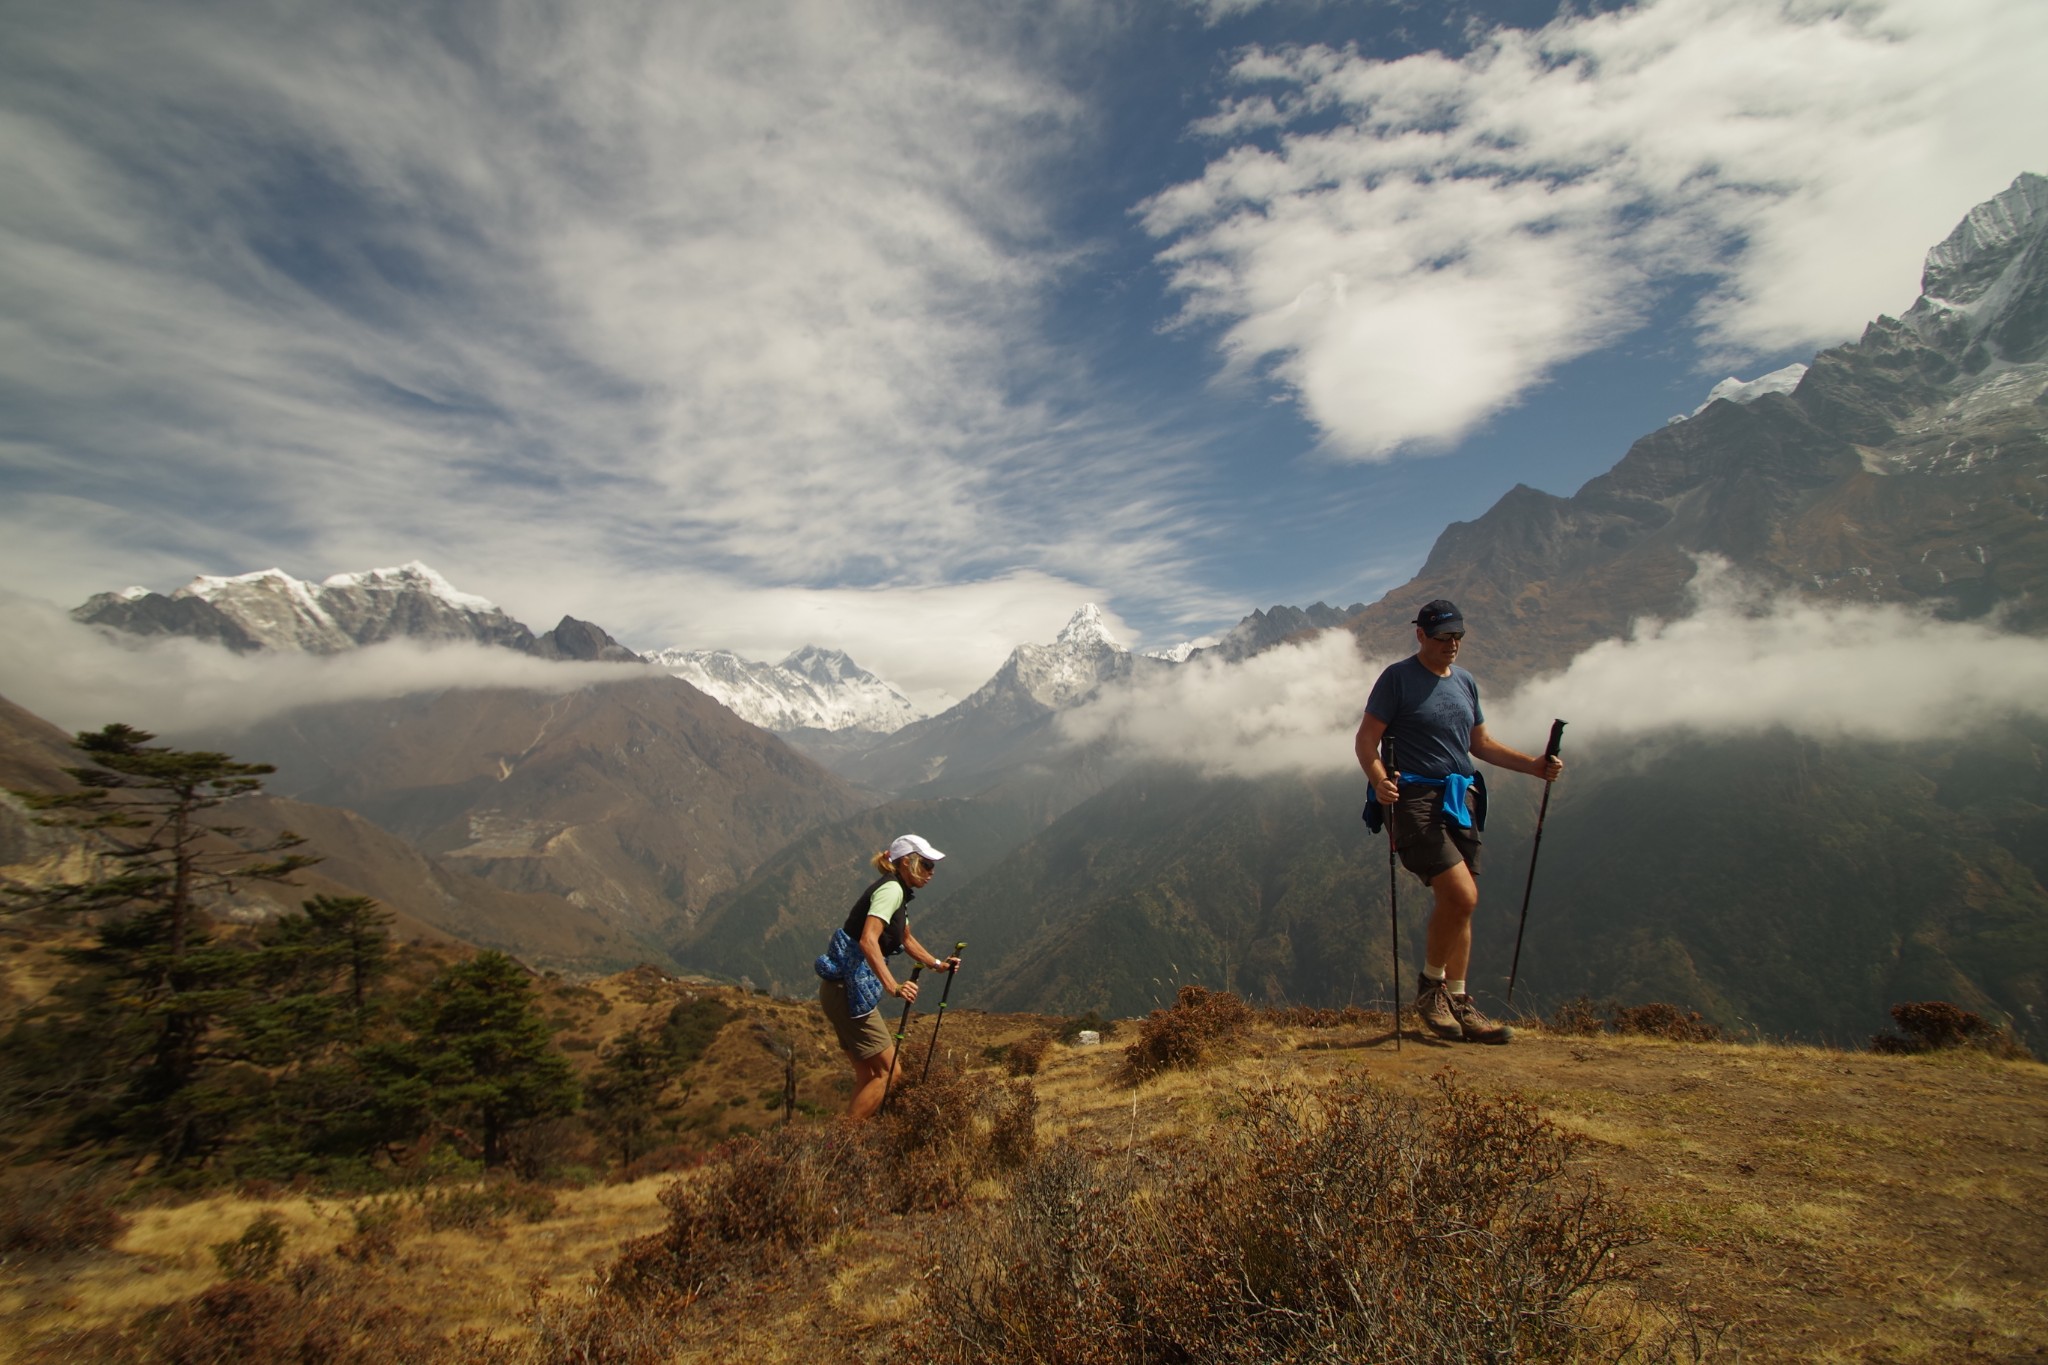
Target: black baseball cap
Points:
(1442, 614)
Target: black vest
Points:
(892, 929)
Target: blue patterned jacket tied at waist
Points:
(844, 962)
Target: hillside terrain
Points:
(1785, 1203)
(634, 801)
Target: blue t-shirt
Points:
(1430, 718)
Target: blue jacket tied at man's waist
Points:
(1464, 800)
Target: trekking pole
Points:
(1549, 752)
(940, 1022)
(896, 1052)
(1393, 889)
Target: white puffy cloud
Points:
(1741, 667)
(1744, 663)
(1408, 246)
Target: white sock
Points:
(1455, 987)
(1433, 973)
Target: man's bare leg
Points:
(1448, 941)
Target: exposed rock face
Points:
(1263, 629)
(1909, 466)
(140, 612)
(574, 639)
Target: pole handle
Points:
(1556, 739)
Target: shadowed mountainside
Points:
(636, 801)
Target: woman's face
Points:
(917, 872)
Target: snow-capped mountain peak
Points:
(269, 610)
(1749, 390)
(1086, 628)
(1984, 288)
(1963, 266)
(812, 689)
(1081, 658)
(1182, 652)
(411, 577)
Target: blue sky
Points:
(906, 327)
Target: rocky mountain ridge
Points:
(1908, 466)
(271, 611)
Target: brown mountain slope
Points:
(635, 801)
(427, 901)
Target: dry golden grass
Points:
(1807, 1204)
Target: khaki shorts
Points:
(867, 1036)
(1426, 840)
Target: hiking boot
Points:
(1433, 1008)
(1476, 1027)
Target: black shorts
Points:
(1428, 841)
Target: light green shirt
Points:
(886, 901)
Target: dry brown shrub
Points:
(55, 1211)
(1026, 1056)
(1013, 1127)
(1583, 1018)
(759, 1200)
(1936, 1025)
(1185, 1036)
(1349, 1223)
(1579, 1018)
(312, 1317)
(1659, 1020)
(756, 1200)
(1321, 1017)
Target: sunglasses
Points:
(1451, 635)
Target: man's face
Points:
(1439, 651)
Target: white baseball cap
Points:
(913, 843)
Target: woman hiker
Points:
(855, 968)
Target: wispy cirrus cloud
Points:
(1409, 246)
(556, 296)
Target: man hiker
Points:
(1437, 799)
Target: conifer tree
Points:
(481, 1056)
(625, 1093)
(158, 864)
